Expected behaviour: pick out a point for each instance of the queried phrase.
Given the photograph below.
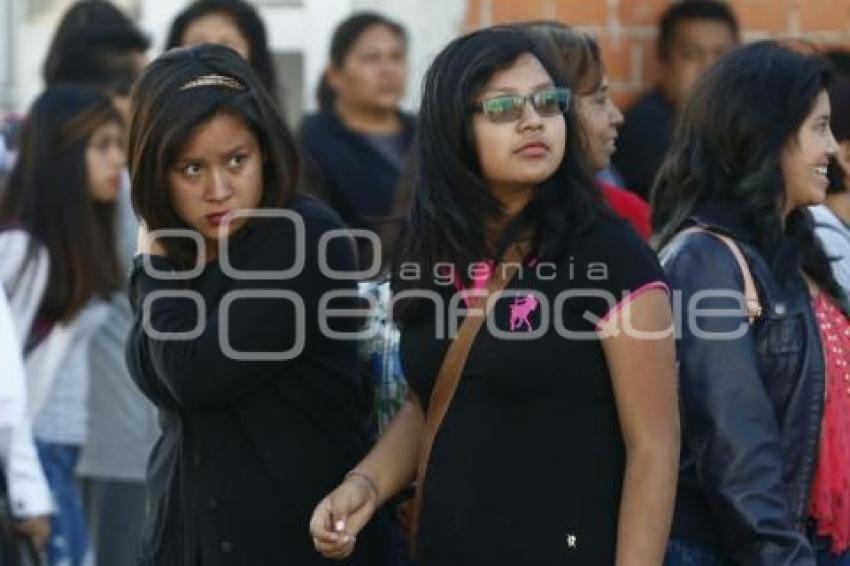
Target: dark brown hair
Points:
(164, 116)
(575, 51)
(48, 197)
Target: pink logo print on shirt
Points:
(521, 309)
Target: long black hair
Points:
(250, 25)
(165, 113)
(48, 196)
(727, 147)
(91, 33)
(452, 203)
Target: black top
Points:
(530, 452)
(346, 170)
(248, 448)
(644, 138)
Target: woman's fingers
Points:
(321, 523)
(339, 518)
(329, 526)
(341, 549)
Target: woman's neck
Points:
(368, 120)
(513, 200)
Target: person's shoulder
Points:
(314, 219)
(15, 237)
(317, 122)
(609, 232)
(307, 213)
(699, 258)
(620, 197)
(408, 119)
(649, 106)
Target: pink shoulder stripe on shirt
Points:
(651, 286)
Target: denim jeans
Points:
(68, 538)
(686, 553)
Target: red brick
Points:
(582, 12)
(471, 20)
(624, 98)
(642, 12)
(651, 66)
(616, 54)
(763, 15)
(509, 11)
(825, 15)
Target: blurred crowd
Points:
(99, 437)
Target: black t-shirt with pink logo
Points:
(527, 467)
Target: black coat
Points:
(751, 406)
(248, 448)
(345, 170)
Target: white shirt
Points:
(29, 493)
(835, 237)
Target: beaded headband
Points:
(213, 80)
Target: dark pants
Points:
(116, 513)
(826, 557)
(687, 553)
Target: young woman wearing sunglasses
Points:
(554, 448)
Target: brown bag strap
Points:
(451, 369)
(754, 309)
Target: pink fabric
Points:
(631, 297)
(479, 282)
(830, 496)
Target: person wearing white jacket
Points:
(27, 487)
(59, 267)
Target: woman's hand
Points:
(342, 515)
(37, 529)
(147, 245)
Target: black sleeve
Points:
(200, 372)
(611, 266)
(729, 423)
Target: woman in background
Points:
(764, 463)
(233, 23)
(356, 146)
(58, 210)
(598, 115)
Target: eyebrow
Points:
(511, 89)
(235, 149)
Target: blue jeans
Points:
(827, 558)
(686, 553)
(68, 538)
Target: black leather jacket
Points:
(751, 405)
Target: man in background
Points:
(692, 35)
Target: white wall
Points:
(306, 29)
(31, 35)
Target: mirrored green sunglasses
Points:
(508, 108)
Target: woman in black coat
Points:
(261, 412)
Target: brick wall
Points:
(626, 28)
